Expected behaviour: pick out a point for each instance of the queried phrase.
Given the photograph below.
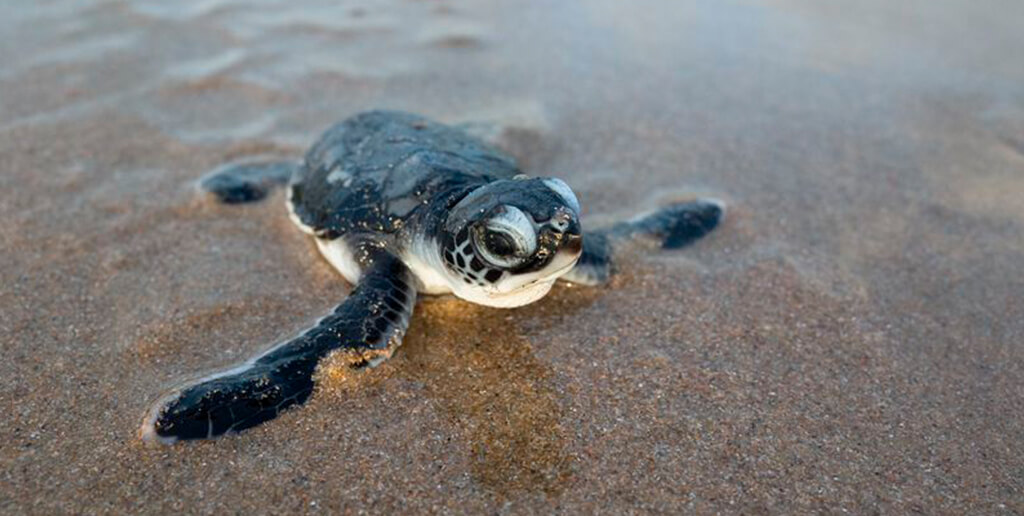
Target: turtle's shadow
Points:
(476, 363)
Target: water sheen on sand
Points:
(849, 340)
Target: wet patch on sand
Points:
(480, 369)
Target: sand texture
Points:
(850, 340)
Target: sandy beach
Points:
(850, 340)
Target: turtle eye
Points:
(506, 239)
(501, 248)
(500, 244)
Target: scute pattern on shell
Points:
(379, 172)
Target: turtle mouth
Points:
(572, 243)
(557, 273)
(569, 253)
(562, 262)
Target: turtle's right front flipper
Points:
(673, 226)
(248, 180)
(366, 327)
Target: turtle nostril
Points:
(562, 221)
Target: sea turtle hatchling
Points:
(402, 206)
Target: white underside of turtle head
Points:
(423, 258)
(509, 292)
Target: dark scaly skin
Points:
(673, 227)
(247, 181)
(369, 324)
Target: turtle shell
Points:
(377, 171)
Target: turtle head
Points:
(507, 242)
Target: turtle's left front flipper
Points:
(674, 226)
(366, 327)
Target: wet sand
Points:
(852, 339)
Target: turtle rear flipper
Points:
(672, 227)
(248, 180)
(367, 326)
(676, 225)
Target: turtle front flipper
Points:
(247, 181)
(366, 327)
(672, 227)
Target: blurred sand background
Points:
(852, 339)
